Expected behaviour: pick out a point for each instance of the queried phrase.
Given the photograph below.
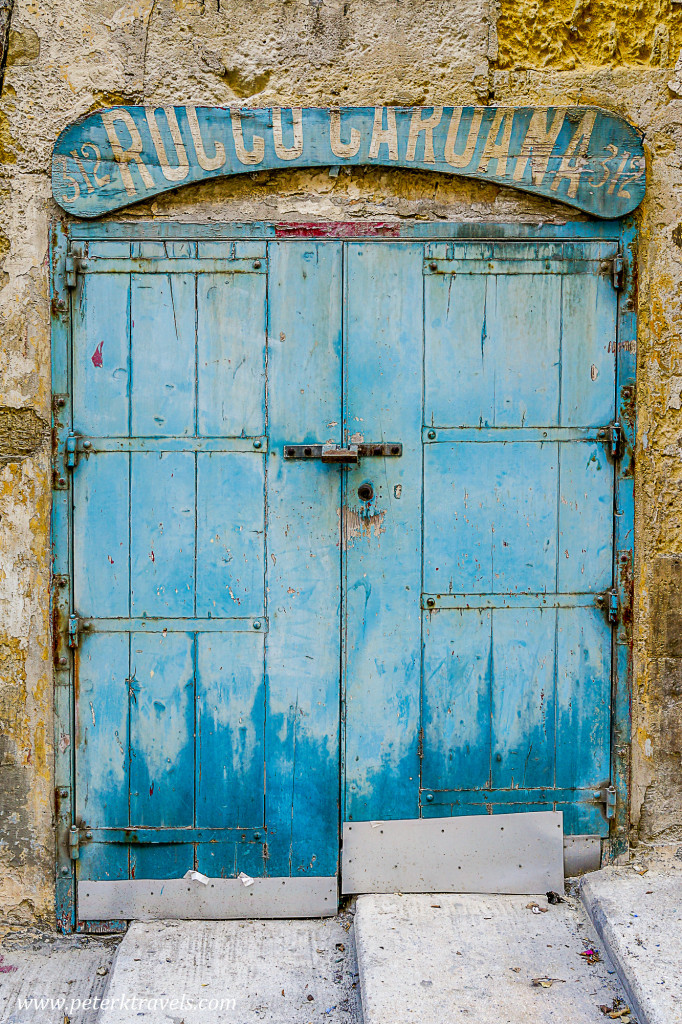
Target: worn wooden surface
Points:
(584, 156)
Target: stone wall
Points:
(66, 59)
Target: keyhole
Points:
(365, 492)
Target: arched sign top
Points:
(583, 156)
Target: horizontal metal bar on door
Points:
(468, 798)
(146, 625)
(173, 444)
(483, 435)
(562, 265)
(146, 836)
(434, 602)
(169, 265)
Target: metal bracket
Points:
(335, 453)
(74, 842)
(608, 797)
(609, 604)
(613, 437)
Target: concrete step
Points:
(234, 971)
(639, 920)
(438, 959)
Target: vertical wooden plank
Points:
(163, 354)
(161, 746)
(583, 698)
(230, 769)
(101, 371)
(456, 700)
(585, 518)
(230, 534)
(459, 360)
(303, 561)
(101, 745)
(101, 569)
(524, 321)
(523, 698)
(588, 363)
(383, 371)
(231, 311)
(163, 508)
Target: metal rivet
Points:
(62, 481)
(65, 871)
(257, 624)
(257, 264)
(431, 435)
(433, 266)
(88, 835)
(257, 444)
(61, 402)
(63, 663)
(430, 602)
(63, 792)
(63, 582)
(256, 835)
(87, 444)
(605, 266)
(429, 798)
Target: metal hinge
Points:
(74, 630)
(76, 834)
(613, 436)
(609, 604)
(617, 272)
(71, 268)
(607, 797)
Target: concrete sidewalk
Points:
(639, 919)
(479, 959)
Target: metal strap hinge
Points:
(607, 796)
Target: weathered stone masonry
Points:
(65, 60)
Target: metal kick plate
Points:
(181, 899)
(500, 853)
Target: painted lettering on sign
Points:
(583, 156)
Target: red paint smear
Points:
(6, 968)
(97, 355)
(151, 789)
(152, 557)
(337, 229)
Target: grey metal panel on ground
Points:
(182, 899)
(502, 853)
(581, 854)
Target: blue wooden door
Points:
(478, 649)
(207, 657)
(267, 646)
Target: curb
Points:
(594, 906)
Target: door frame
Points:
(64, 240)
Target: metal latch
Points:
(607, 796)
(608, 602)
(349, 454)
(613, 436)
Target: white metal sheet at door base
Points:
(501, 853)
(219, 899)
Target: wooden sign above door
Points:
(583, 156)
